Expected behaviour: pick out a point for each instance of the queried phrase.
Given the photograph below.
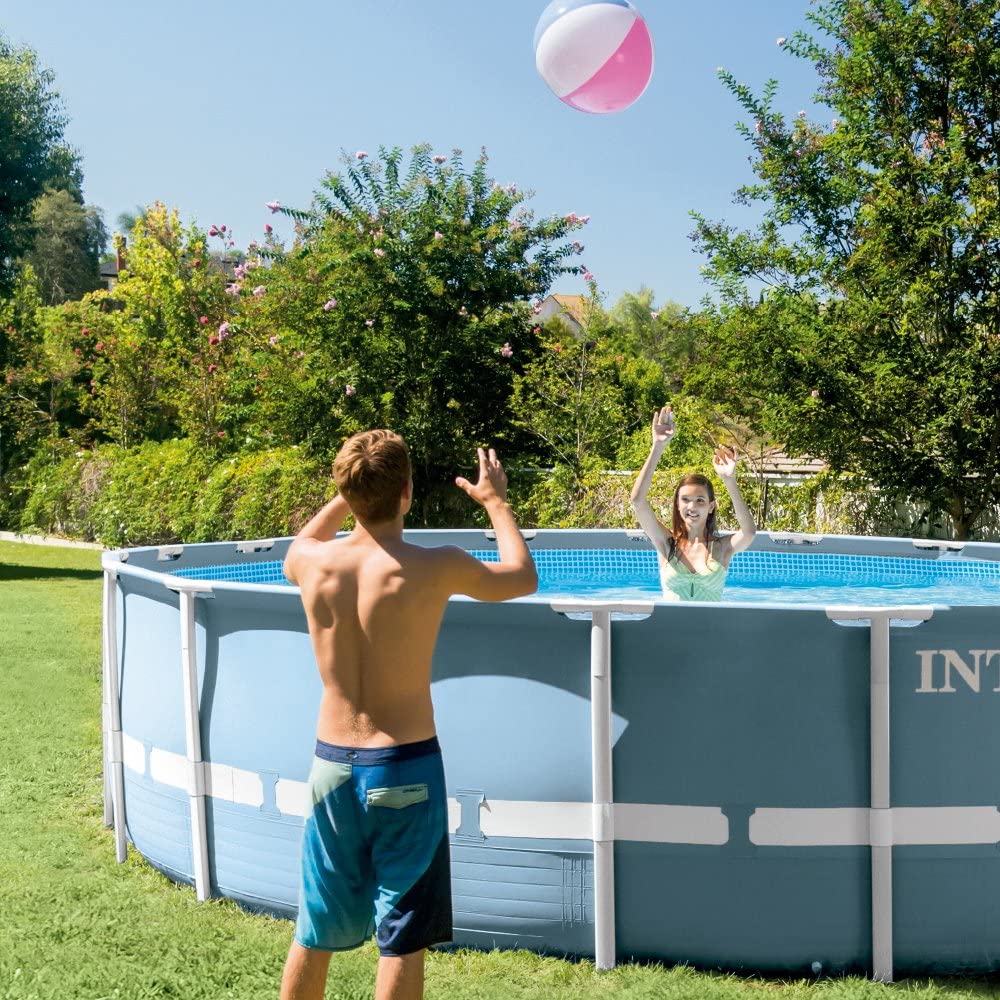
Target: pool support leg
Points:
(880, 814)
(115, 759)
(192, 728)
(109, 815)
(603, 797)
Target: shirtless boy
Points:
(375, 846)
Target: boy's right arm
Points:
(515, 574)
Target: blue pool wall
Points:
(733, 709)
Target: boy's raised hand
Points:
(492, 485)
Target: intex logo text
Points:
(968, 668)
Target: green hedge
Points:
(170, 492)
(173, 491)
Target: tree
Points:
(33, 153)
(65, 253)
(876, 341)
(667, 335)
(402, 304)
(581, 398)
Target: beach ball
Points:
(595, 55)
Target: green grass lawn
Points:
(73, 924)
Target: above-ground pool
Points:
(801, 779)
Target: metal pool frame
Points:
(479, 817)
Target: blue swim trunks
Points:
(375, 850)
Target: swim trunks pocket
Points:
(397, 798)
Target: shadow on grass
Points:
(9, 571)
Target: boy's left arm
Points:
(322, 528)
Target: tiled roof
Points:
(574, 305)
(776, 463)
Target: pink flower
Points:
(360, 154)
(379, 252)
(758, 126)
(259, 291)
(802, 114)
(515, 226)
(572, 217)
(231, 243)
(815, 394)
(299, 355)
(654, 314)
(213, 340)
(99, 346)
(349, 390)
(274, 206)
(220, 434)
(369, 323)
(440, 159)
(268, 228)
(223, 330)
(584, 219)
(619, 358)
(213, 231)
(537, 329)
(507, 351)
(222, 229)
(577, 245)
(536, 309)
(512, 189)
(438, 235)
(212, 368)
(203, 320)
(78, 352)
(780, 41)
(197, 261)
(83, 333)
(273, 340)
(329, 304)
(587, 276)
(91, 383)
(233, 290)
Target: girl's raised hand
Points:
(724, 462)
(664, 427)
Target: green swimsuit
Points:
(681, 584)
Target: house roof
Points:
(774, 462)
(574, 305)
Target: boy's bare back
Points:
(374, 605)
(374, 610)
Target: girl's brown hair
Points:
(677, 529)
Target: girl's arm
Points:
(663, 430)
(724, 463)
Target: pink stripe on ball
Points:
(622, 79)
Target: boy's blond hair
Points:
(371, 471)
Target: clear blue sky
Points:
(217, 108)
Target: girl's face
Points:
(694, 505)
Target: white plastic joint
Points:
(197, 784)
(115, 751)
(604, 822)
(880, 827)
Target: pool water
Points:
(754, 577)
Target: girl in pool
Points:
(693, 557)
